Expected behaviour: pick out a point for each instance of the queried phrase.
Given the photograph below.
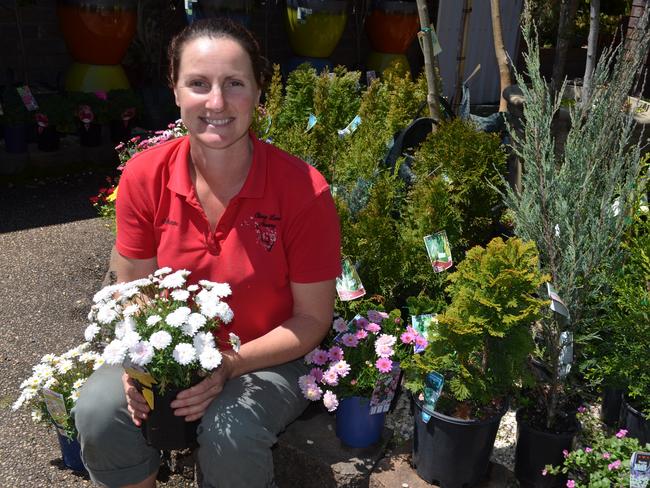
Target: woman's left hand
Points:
(193, 402)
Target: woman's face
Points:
(216, 91)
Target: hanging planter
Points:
(71, 453)
(315, 27)
(355, 426)
(537, 448)
(452, 451)
(164, 430)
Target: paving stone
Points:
(309, 455)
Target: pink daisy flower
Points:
(361, 322)
(335, 353)
(621, 433)
(372, 327)
(331, 377)
(407, 337)
(421, 342)
(330, 401)
(384, 351)
(376, 316)
(313, 393)
(342, 368)
(361, 334)
(384, 365)
(320, 357)
(340, 325)
(317, 374)
(350, 340)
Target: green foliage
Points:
(14, 111)
(565, 203)
(602, 461)
(621, 353)
(97, 104)
(482, 340)
(59, 110)
(120, 100)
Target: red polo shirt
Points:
(281, 227)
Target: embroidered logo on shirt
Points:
(265, 228)
(170, 222)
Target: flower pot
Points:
(90, 135)
(16, 139)
(316, 33)
(239, 11)
(452, 452)
(635, 423)
(164, 430)
(392, 26)
(535, 449)
(355, 427)
(71, 453)
(48, 139)
(611, 406)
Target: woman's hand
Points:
(136, 403)
(193, 402)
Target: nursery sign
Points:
(348, 284)
(439, 251)
(382, 395)
(640, 470)
(55, 404)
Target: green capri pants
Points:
(235, 435)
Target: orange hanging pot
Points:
(97, 31)
(391, 26)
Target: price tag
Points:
(640, 470)
(439, 251)
(351, 127)
(55, 404)
(437, 48)
(348, 284)
(566, 353)
(433, 384)
(311, 122)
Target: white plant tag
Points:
(566, 353)
(557, 305)
(439, 251)
(640, 470)
(302, 14)
(384, 391)
(55, 404)
(311, 122)
(348, 284)
(351, 127)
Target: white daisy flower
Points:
(209, 308)
(131, 310)
(224, 312)
(106, 293)
(197, 321)
(235, 341)
(131, 338)
(221, 290)
(124, 326)
(37, 416)
(64, 366)
(178, 317)
(99, 362)
(202, 341)
(184, 353)
(180, 295)
(78, 383)
(128, 293)
(210, 358)
(115, 352)
(160, 339)
(48, 358)
(91, 331)
(74, 395)
(141, 353)
(193, 288)
(162, 271)
(153, 320)
(174, 280)
(107, 313)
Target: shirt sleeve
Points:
(314, 242)
(135, 216)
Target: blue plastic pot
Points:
(355, 427)
(71, 453)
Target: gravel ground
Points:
(54, 253)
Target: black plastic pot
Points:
(15, 139)
(610, 412)
(90, 135)
(164, 430)
(48, 139)
(536, 449)
(451, 452)
(635, 423)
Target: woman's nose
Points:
(216, 100)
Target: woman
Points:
(229, 208)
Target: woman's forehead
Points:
(222, 49)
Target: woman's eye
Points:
(198, 84)
(236, 83)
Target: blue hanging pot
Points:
(355, 426)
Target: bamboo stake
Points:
(462, 49)
(426, 43)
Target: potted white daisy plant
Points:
(161, 329)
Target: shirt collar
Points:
(180, 181)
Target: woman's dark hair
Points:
(215, 28)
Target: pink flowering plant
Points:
(602, 461)
(162, 325)
(357, 356)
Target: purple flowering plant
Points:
(357, 356)
(602, 461)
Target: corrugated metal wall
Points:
(484, 86)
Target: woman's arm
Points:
(313, 306)
(128, 269)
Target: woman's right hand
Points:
(136, 403)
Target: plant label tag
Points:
(439, 251)
(55, 404)
(557, 305)
(566, 353)
(384, 392)
(371, 76)
(640, 470)
(28, 99)
(267, 124)
(311, 122)
(351, 127)
(437, 48)
(348, 284)
(143, 377)
(302, 14)
(424, 325)
(433, 384)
